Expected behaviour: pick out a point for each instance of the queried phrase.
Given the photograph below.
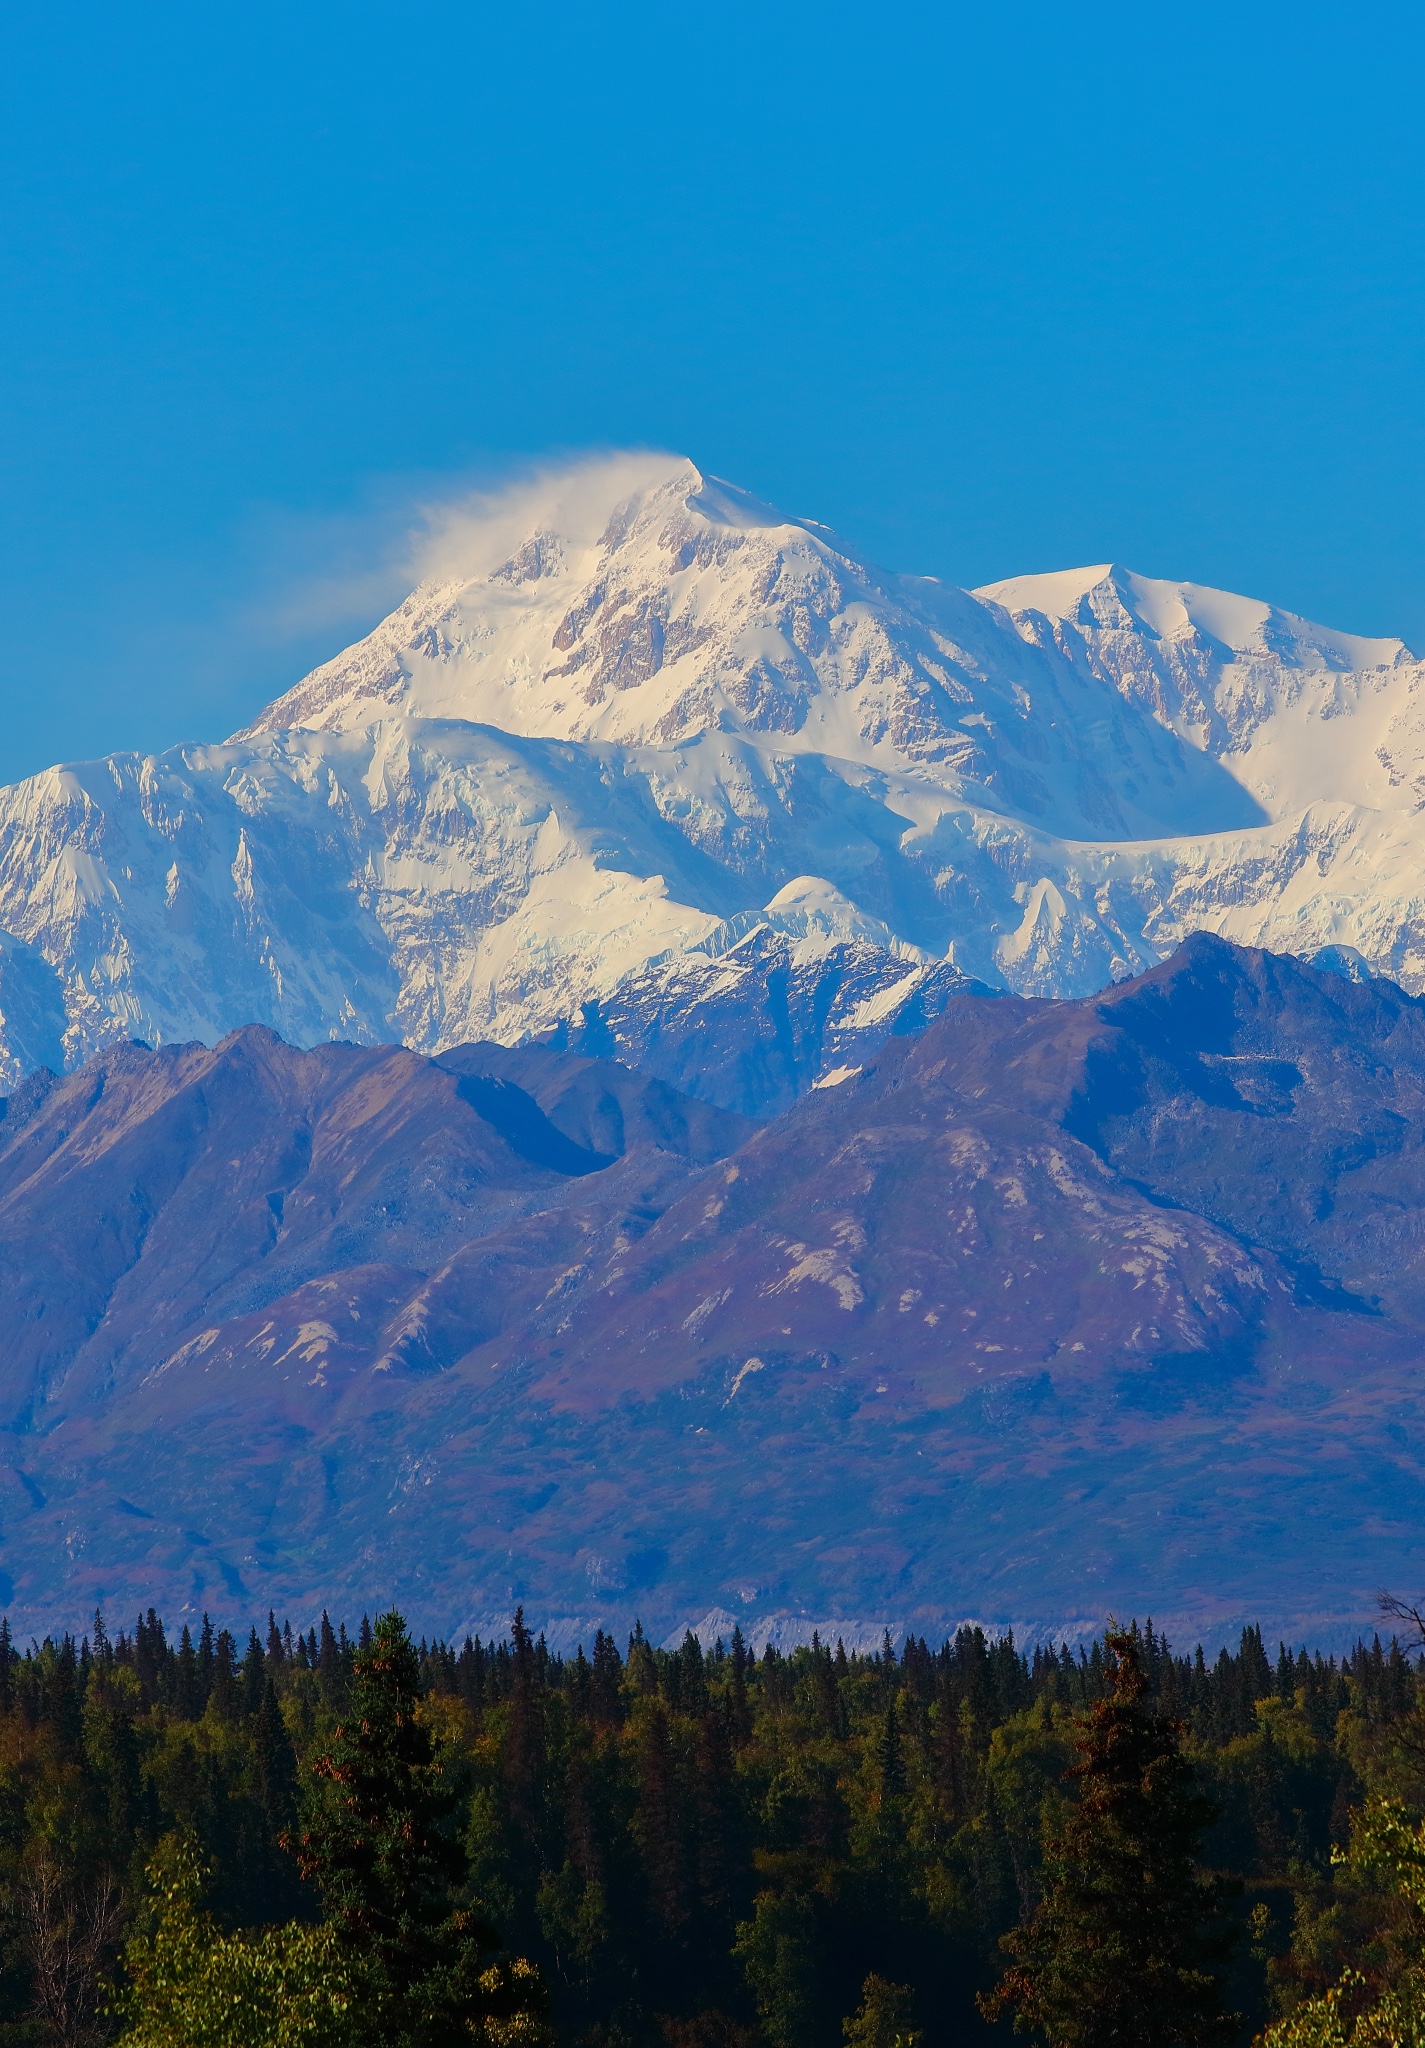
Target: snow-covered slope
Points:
(649, 763)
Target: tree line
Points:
(328, 1837)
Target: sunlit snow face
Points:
(637, 740)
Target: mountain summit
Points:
(648, 766)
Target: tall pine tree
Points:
(377, 1842)
(1118, 1953)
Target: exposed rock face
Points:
(653, 755)
(1050, 1308)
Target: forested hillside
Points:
(696, 1850)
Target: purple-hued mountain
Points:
(1052, 1308)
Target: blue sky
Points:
(991, 288)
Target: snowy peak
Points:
(641, 759)
(632, 600)
(1110, 598)
(642, 604)
(653, 606)
(1295, 713)
(637, 602)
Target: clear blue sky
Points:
(992, 288)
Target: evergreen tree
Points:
(7, 1694)
(185, 1688)
(206, 1663)
(719, 1848)
(254, 1675)
(150, 1653)
(1117, 1953)
(59, 1670)
(659, 1826)
(112, 1754)
(377, 1844)
(581, 1687)
(275, 1786)
(225, 1690)
(328, 1661)
(892, 1767)
(947, 1763)
(525, 1749)
(605, 1678)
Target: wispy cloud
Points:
(467, 535)
(330, 573)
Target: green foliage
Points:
(572, 1916)
(777, 1949)
(379, 1842)
(693, 1848)
(1387, 1851)
(883, 2018)
(1345, 2017)
(1119, 1946)
(191, 1986)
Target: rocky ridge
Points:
(1048, 1309)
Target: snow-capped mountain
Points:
(646, 763)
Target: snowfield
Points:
(654, 768)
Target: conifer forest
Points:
(356, 1837)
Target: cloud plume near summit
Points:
(635, 744)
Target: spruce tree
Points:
(720, 1856)
(274, 1762)
(185, 1690)
(378, 1844)
(606, 1676)
(254, 1675)
(1118, 1952)
(225, 1690)
(525, 1749)
(892, 1767)
(659, 1827)
(329, 1662)
(206, 1663)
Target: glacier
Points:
(644, 767)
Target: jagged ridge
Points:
(647, 753)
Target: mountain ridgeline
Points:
(1049, 1309)
(651, 764)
